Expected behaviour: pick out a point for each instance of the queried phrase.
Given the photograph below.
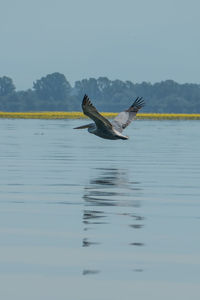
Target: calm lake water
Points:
(90, 219)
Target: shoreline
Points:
(80, 115)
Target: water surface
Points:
(90, 219)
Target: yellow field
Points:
(79, 115)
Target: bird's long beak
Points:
(83, 127)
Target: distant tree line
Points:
(54, 93)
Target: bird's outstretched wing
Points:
(124, 118)
(90, 111)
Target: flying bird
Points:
(105, 129)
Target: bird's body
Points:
(110, 134)
(103, 127)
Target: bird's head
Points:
(91, 125)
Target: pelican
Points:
(105, 129)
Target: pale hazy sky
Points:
(136, 40)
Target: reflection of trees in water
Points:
(110, 188)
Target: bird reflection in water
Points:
(110, 188)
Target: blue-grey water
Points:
(90, 219)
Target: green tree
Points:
(52, 87)
(87, 86)
(6, 86)
(53, 92)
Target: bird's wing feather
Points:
(123, 119)
(91, 111)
